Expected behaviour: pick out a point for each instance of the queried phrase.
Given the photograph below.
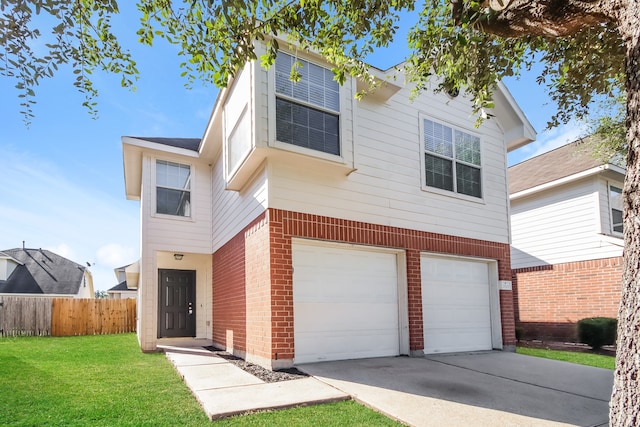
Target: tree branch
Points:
(555, 18)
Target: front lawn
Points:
(106, 380)
(589, 359)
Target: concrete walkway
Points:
(485, 389)
(224, 389)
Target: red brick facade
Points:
(247, 303)
(550, 299)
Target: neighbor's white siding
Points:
(386, 187)
(560, 225)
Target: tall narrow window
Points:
(173, 188)
(615, 201)
(452, 159)
(307, 111)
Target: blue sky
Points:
(63, 185)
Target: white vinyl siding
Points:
(386, 186)
(234, 210)
(175, 232)
(562, 225)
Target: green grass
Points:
(589, 359)
(347, 413)
(106, 380)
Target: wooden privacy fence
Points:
(66, 316)
(21, 316)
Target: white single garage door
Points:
(455, 304)
(345, 303)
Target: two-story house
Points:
(566, 255)
(306, 225)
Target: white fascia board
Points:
(132, 168)
(557, 182)
(616, 169)
(10, 258)
(132, 149)
(212, 138)
(517, 129)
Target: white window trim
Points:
(274, 143)
(423, 172)
(230, 170)
(610, 209)
(154, 204)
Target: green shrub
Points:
(519, 333)
(597, 331)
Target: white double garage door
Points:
(350, 302)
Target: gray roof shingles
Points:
(122, 286)
(192, 144)
(42, 272)
(562, 162)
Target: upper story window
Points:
(615, 201)
(452, 159)
(307, 111)
(173, 188)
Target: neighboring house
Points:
(42, 273)
(127, 286)
(307, 225)
(566, 225)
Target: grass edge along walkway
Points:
(105, 380)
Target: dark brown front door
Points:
(177, 303)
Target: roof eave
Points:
(517, 129)
(132, 149)
(613, 171)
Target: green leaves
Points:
(217, 37)
(81, 36)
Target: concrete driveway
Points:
(481, 389)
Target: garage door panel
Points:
(345, 345)
(436, 315)
(456, 304)
(445, 292)
(344, 316)
(462, 340)
(345, 303)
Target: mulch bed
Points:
(258, 371)
(607, 350)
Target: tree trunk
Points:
(625, 397)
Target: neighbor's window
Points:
(452, 159)
(615, 201)
(173, 188)
(307, 111)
